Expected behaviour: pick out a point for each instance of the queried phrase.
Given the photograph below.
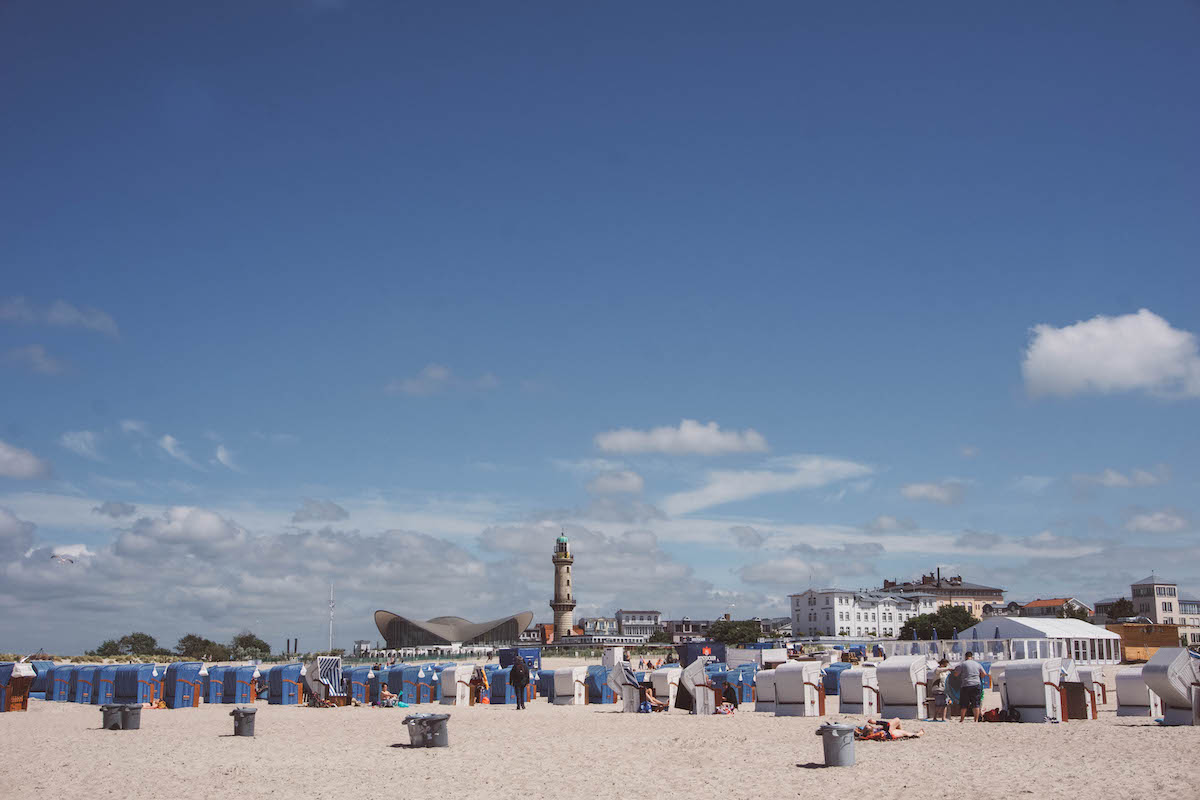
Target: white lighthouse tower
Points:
(564, 602)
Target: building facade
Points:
(1160, 601)
(563, 603)
(949, 592)
(844, 612)
(599, 626)
(639, 623)
(1055, 607)
(687, 629)
(401, 632)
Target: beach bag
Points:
(994, 715)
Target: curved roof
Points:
(451, 628)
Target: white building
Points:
(844, 612)
(639, 623)
(600, 626)
(1159, 600)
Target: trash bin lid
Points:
(836, 727)
(112, 706)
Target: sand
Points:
(58, 750)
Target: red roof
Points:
(1052, 602)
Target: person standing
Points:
(970, 693)
(941, 702)
(518, 677)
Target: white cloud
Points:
(83, 443)
(16, 535)
(35, 358)
(1157, 522)
(689, 438)
(947, 493)
(1033, 484)
(134, 426)
(437, 378)
(1131, 352)
(61, 313)
(889, 524)
(172, 448)
(727, 486)
(225, 456)
(616, 482)
(276, 438)
(747, 536)
(1113, 479)
(21, 464)
(115, 510)
(320, 511)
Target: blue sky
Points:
(922, 278)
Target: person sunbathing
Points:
(886, 730)
(386, 698)
(649, 702)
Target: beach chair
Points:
(456, 684)
(598, 688)
(285, 685)
(42, 679)
(58, 683)
(626, 691)
(80, 687)
(799, 691)
(902, 686)
(665, 681)
(1040, 689)
(570, 686)
(1134, 697)
(701, 697)
(764, 690)
(1094, 677)
(1173, 674)
(323, 681)
(181, 685)
(16, 681)
(135, 684)
(104, 684)
(359, 681)
(859, 692)
(240, 684)
(213, 686)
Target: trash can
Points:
(243, 721)
(131, 717)
(428, 730)
(838, 741)
(110, 715)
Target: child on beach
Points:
(941, 701)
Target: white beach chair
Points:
(902, 689)
(456, 684)
(1134, 697)
(859, 692)
(570, 687)
(694, 680)
(1094, 677)
(799, 691)
(665, 681)
(623, 681)
(764, 690)
(1037, 689)
(1174, 675)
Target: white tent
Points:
(859, 691)
(1082, 642)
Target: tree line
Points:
(243, 646)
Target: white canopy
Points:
(1036, 628)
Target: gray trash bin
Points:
(838, 741)
(428, 730)
(243, 721)
(131, 717)
(110, 715)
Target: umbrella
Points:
(914, 630)
(956, 634)
(996, 635)
(935, 634)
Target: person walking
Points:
(970, 683)
(518, 677)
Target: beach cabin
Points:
(1134, 697)
(284, 685)
(859, 689)
(901, 682)
(695, 693)
(213, 685)
(665, 682)
(181, 686)
(239, 684)
(456, 684)
(1173, 673)
(41, 678)
(104, 684)
(799, 691)
(1041, 689)
(135, 684)
(82, 682)
(764, 690)
(16, 681)
(570, 686)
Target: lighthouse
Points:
(564, 601)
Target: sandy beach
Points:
(57, 749)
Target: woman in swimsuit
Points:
(892, 729)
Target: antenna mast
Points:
(331, 617)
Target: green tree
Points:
(661, 637)
(139, 644)
(1122, 607)
(946, 620)
(735, 631)
(197, 647)
(107, 649)
(247, 645)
